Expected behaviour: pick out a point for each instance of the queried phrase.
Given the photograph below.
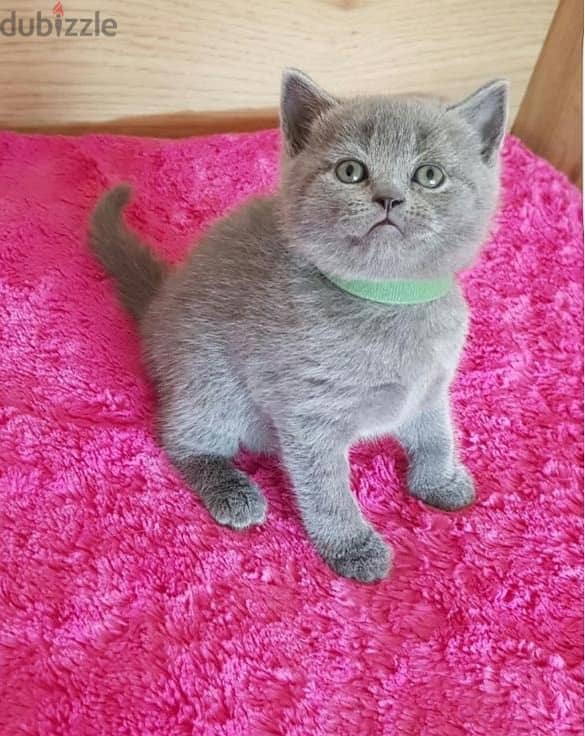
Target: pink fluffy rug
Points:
(125, 610)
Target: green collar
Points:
(396, 292)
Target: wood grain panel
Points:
(549, 120)
(209, 58)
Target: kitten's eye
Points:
(350, 171)
(429, 176)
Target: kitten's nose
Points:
(387, 202)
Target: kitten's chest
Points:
(402, 347)
(401, 379)
(384, 366)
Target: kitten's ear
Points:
(486, 110)
(301, 102)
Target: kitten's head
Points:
(389, 186)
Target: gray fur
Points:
(249, 344)
(231, 497)
(137, 271)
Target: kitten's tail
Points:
(137, 271)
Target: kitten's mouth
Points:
(386, 222)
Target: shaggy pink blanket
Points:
(124, 609)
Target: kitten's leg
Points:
(229, 495)
(317, 463)
(435, 474)
(201, 445)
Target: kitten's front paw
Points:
(450, 495)
(366, 558)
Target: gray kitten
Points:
(257, 340)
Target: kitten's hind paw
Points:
(229, 495)
(238, 506)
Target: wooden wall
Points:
(549, 120)
(179, 68)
